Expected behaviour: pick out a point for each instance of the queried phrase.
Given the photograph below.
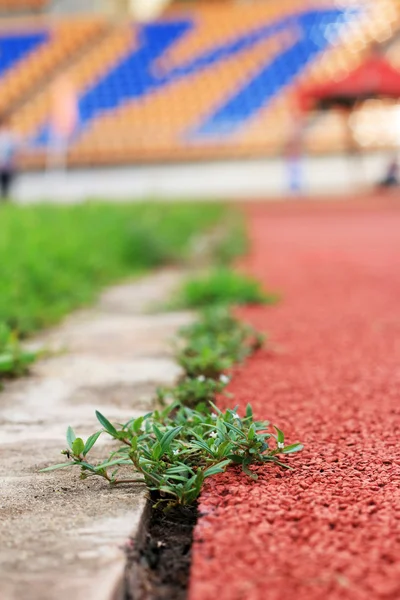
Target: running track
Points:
(329, 530)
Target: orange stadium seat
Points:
(206, 80)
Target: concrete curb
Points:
(61, 538)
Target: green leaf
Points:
(203, 446)
(245, 468)
(106, 424)
(218, 468)
(6, 362)
(59, 466)
(78, 446)
(224, 448)
(281, 435)
(177, 478)
(168, 437)
(236, 429)
(252, 432)
(167, 490)
(292, 448)
(168, 409)
(27, 357)
(249, 411)
(111, 463)
(150, 475)
(157, 451)
(193, 487)
(274, 460)
(71, 437)
(90, 442)
(179, 470)
(216, 409)
(137, 424)
(84, 465)
(157, 433)
(236, 458)
(221, 427)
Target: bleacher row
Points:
(204, 81)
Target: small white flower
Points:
(201, 378)
(281, 445)
(236, 416)
(213, 434)
(214, 416)
(175, 452)
(224, 379)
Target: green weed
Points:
(193, 392)
(233, 242)
(222, 286)
(14, 360)
(215, 342)
(175, 450)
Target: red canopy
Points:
(376, 77)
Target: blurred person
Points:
(294, 150)
(9, 144)
(294, 167)
(64, 118)
(392, 176)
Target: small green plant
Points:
(193, 392)
(215, 343)
(14, 360)
(222, 286)
(175, 450)
(234, 241)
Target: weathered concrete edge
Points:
(112, 586)
(101, 567)
(119, 590)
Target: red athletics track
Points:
(329, 530)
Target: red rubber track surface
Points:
(330, 529)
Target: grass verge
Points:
(56, 258)
(14, 360)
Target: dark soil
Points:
(159, 562)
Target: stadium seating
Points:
(107, 47)
(204, 81)
(31, 54)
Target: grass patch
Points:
(221, 286)
(14, 360)
(233, 241)
(54, 259)
(215, 343)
